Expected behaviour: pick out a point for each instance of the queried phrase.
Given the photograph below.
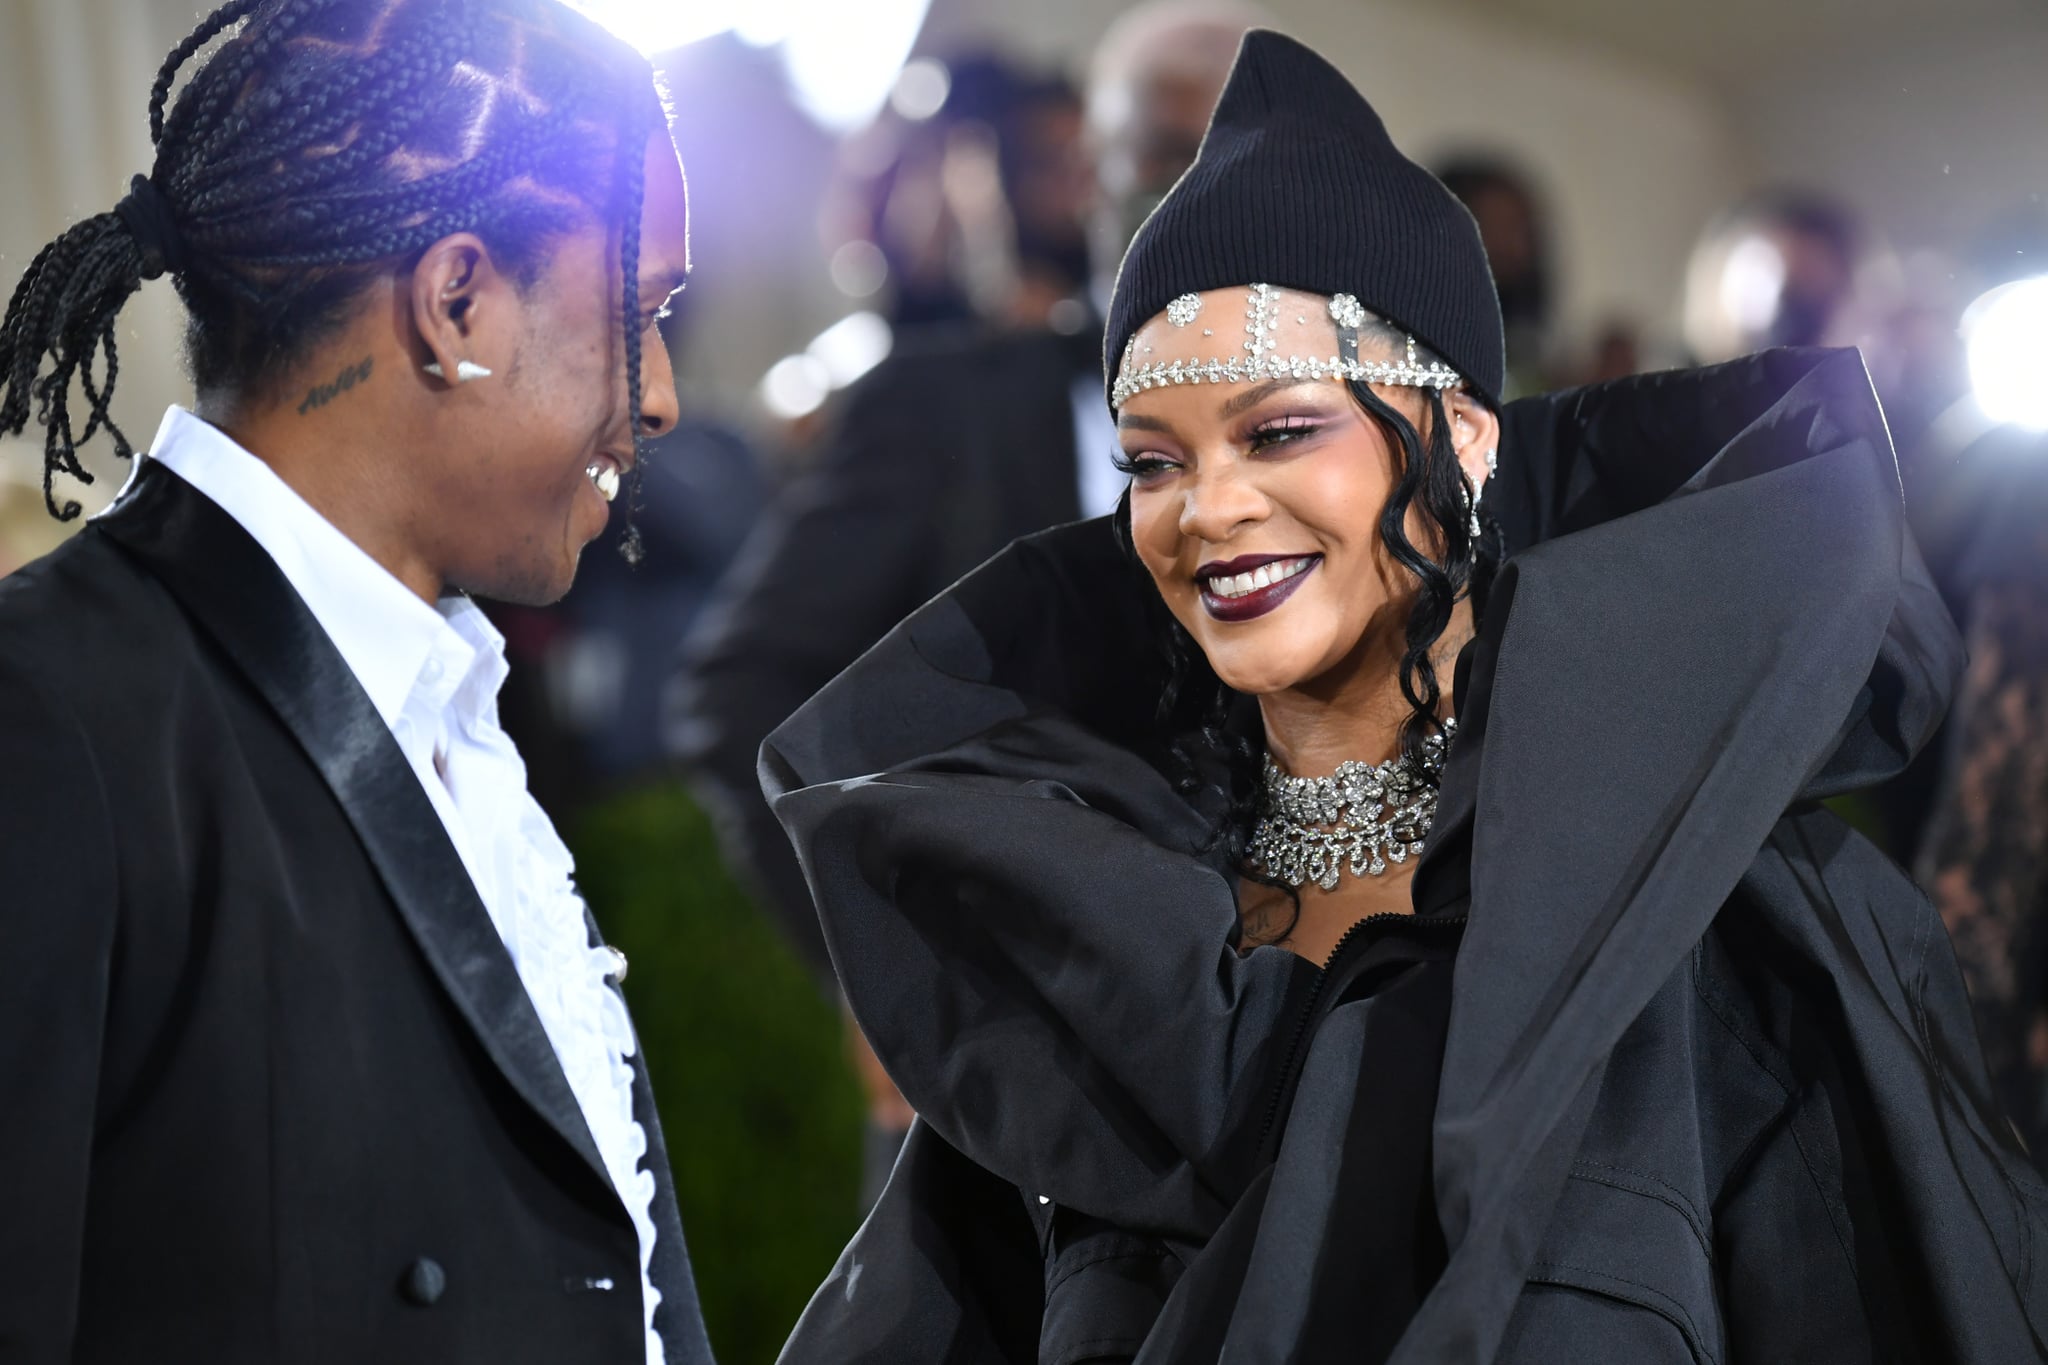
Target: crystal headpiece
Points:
(1261, 361)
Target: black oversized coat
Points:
(271, 1090)
(1707, 1087)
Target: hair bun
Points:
(147, 215)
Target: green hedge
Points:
(761, 1110)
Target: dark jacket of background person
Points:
(1984, 859)
(1708, 1088)
(272, 1087)
(943, 454)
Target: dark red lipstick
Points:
(1256, 603)
(1219, 568)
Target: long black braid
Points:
(325, 141)
(634, 171)
(1213, 739)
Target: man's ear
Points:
(1475, 434)
(458, 296)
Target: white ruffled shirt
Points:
(433, 673)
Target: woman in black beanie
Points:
(1369, 899)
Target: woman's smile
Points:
(1249, 586)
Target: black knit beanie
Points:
(1298, 186)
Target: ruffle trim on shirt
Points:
(542, 919)
(586, 1020)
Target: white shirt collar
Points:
(391, 640)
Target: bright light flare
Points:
(921, 90)
(2006, 333)
(798, 385)
(657, 26)
(852, 346)
(1751, 282)
(859, 269)
(795, 386)
(842, 58)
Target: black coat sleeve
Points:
(57, 914)
(946, 1269)
(845, 553)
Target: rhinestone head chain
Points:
(1260, 360)
(1360, 819)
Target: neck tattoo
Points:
(1357, 820)
(322, 394)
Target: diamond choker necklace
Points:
(1314, 829)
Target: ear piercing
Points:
(465, 370)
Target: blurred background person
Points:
(1019, 174)
(1048, 180)
(965, 199)
(911, 204)
(1777, 268)
(1961, 392)
(957, 444)
(1152, 84)
(1984, 855)
(1616, 353)
(1516, 237)
(1978, 490)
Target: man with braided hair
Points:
(309, 1050)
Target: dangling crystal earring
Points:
(1472, 498)
(465, 370)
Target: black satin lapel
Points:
(239, 596)
(678, 1317)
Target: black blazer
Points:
(940, 456)
(270, 1087)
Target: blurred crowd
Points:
(976, 226)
